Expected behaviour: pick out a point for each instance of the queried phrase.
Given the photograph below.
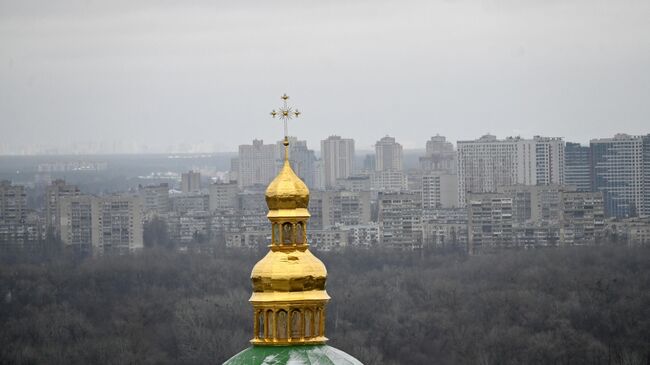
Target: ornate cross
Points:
(285, 113)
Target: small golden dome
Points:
(287, 191)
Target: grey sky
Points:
(164, 72)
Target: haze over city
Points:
(461, 182)
(156, 74)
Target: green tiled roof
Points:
(292, 355)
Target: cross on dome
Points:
(285, 113)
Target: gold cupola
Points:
(289, 294)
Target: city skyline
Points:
(99, 148)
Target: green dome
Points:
(294, 355)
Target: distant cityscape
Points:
(478, 195)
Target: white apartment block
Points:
(155, 199)
(223, 196)
(54, 192)
(337, 155)
(102, 225)
(191, 182)
(583, 218)
(256, 164)
(439, 190)
(388, 155)
(389, 180)
(489, 221)
(488, 163)
(342, 208)
(363, 235)
(400, 217)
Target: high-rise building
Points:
(541, 161)
(191, 182)
(389, 180)
(302, 159)
(101, 225)
(233, 174)
(343, 208)
(119, 225)
(577, 166)
(487, 163)
(13, 214)
(79, 220)
(338, 159)
(53, 193)
(223, 196)
(621, 171)
(388, 155)
(489, 221)
(192, 202)
(355, 183)
(319, 175)
(256, 163)
(445, 227)
(582, 217)
(155, 199)
(439, 190)
(400, 216)
(538, 204)
(440, 156)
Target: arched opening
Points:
(317, 323)
(268, 329)
(259, 319)
(300, 233)
(296, 324)
(309, 320)
(276, 233)
(287, 233)
(282, 325)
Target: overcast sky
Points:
(164, 72)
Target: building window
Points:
(269, 324)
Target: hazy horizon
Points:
(162, 73)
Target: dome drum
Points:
(284, 324)
(289, 233)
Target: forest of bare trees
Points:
(582, 305)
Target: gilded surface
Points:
(289, 271)
(287, 191)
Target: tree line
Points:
(581, 305)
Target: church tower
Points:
(289, 296)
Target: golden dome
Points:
(287, 191)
